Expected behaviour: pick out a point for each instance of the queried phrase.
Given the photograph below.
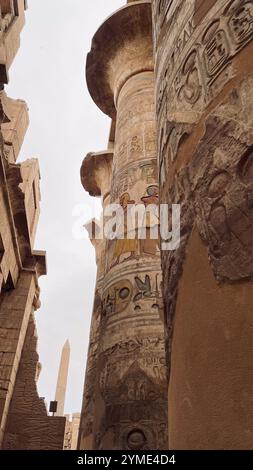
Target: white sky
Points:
(65, 124)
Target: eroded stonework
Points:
(24, 421)
(221, 174)
(204, 97)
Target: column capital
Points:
(122, 47)
(96, 173)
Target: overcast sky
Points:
(65, 124)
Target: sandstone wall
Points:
(24, 422)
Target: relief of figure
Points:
(151, 244)
(125, 248)
(130, 245)
(223, 198)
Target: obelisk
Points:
(62, 379)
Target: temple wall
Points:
(24, 421)
(28, 425)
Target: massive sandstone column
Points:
(129, 402)
(204, 90)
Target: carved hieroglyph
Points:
(194, 61)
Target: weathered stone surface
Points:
(204, 102)
(24, 423)
(28, 425)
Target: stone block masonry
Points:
(24, 421)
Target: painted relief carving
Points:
(149, 173)
(123, 248)
(134, 179)
(128, 245)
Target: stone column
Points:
(204, 94)
(96, 173)
(130, 385)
